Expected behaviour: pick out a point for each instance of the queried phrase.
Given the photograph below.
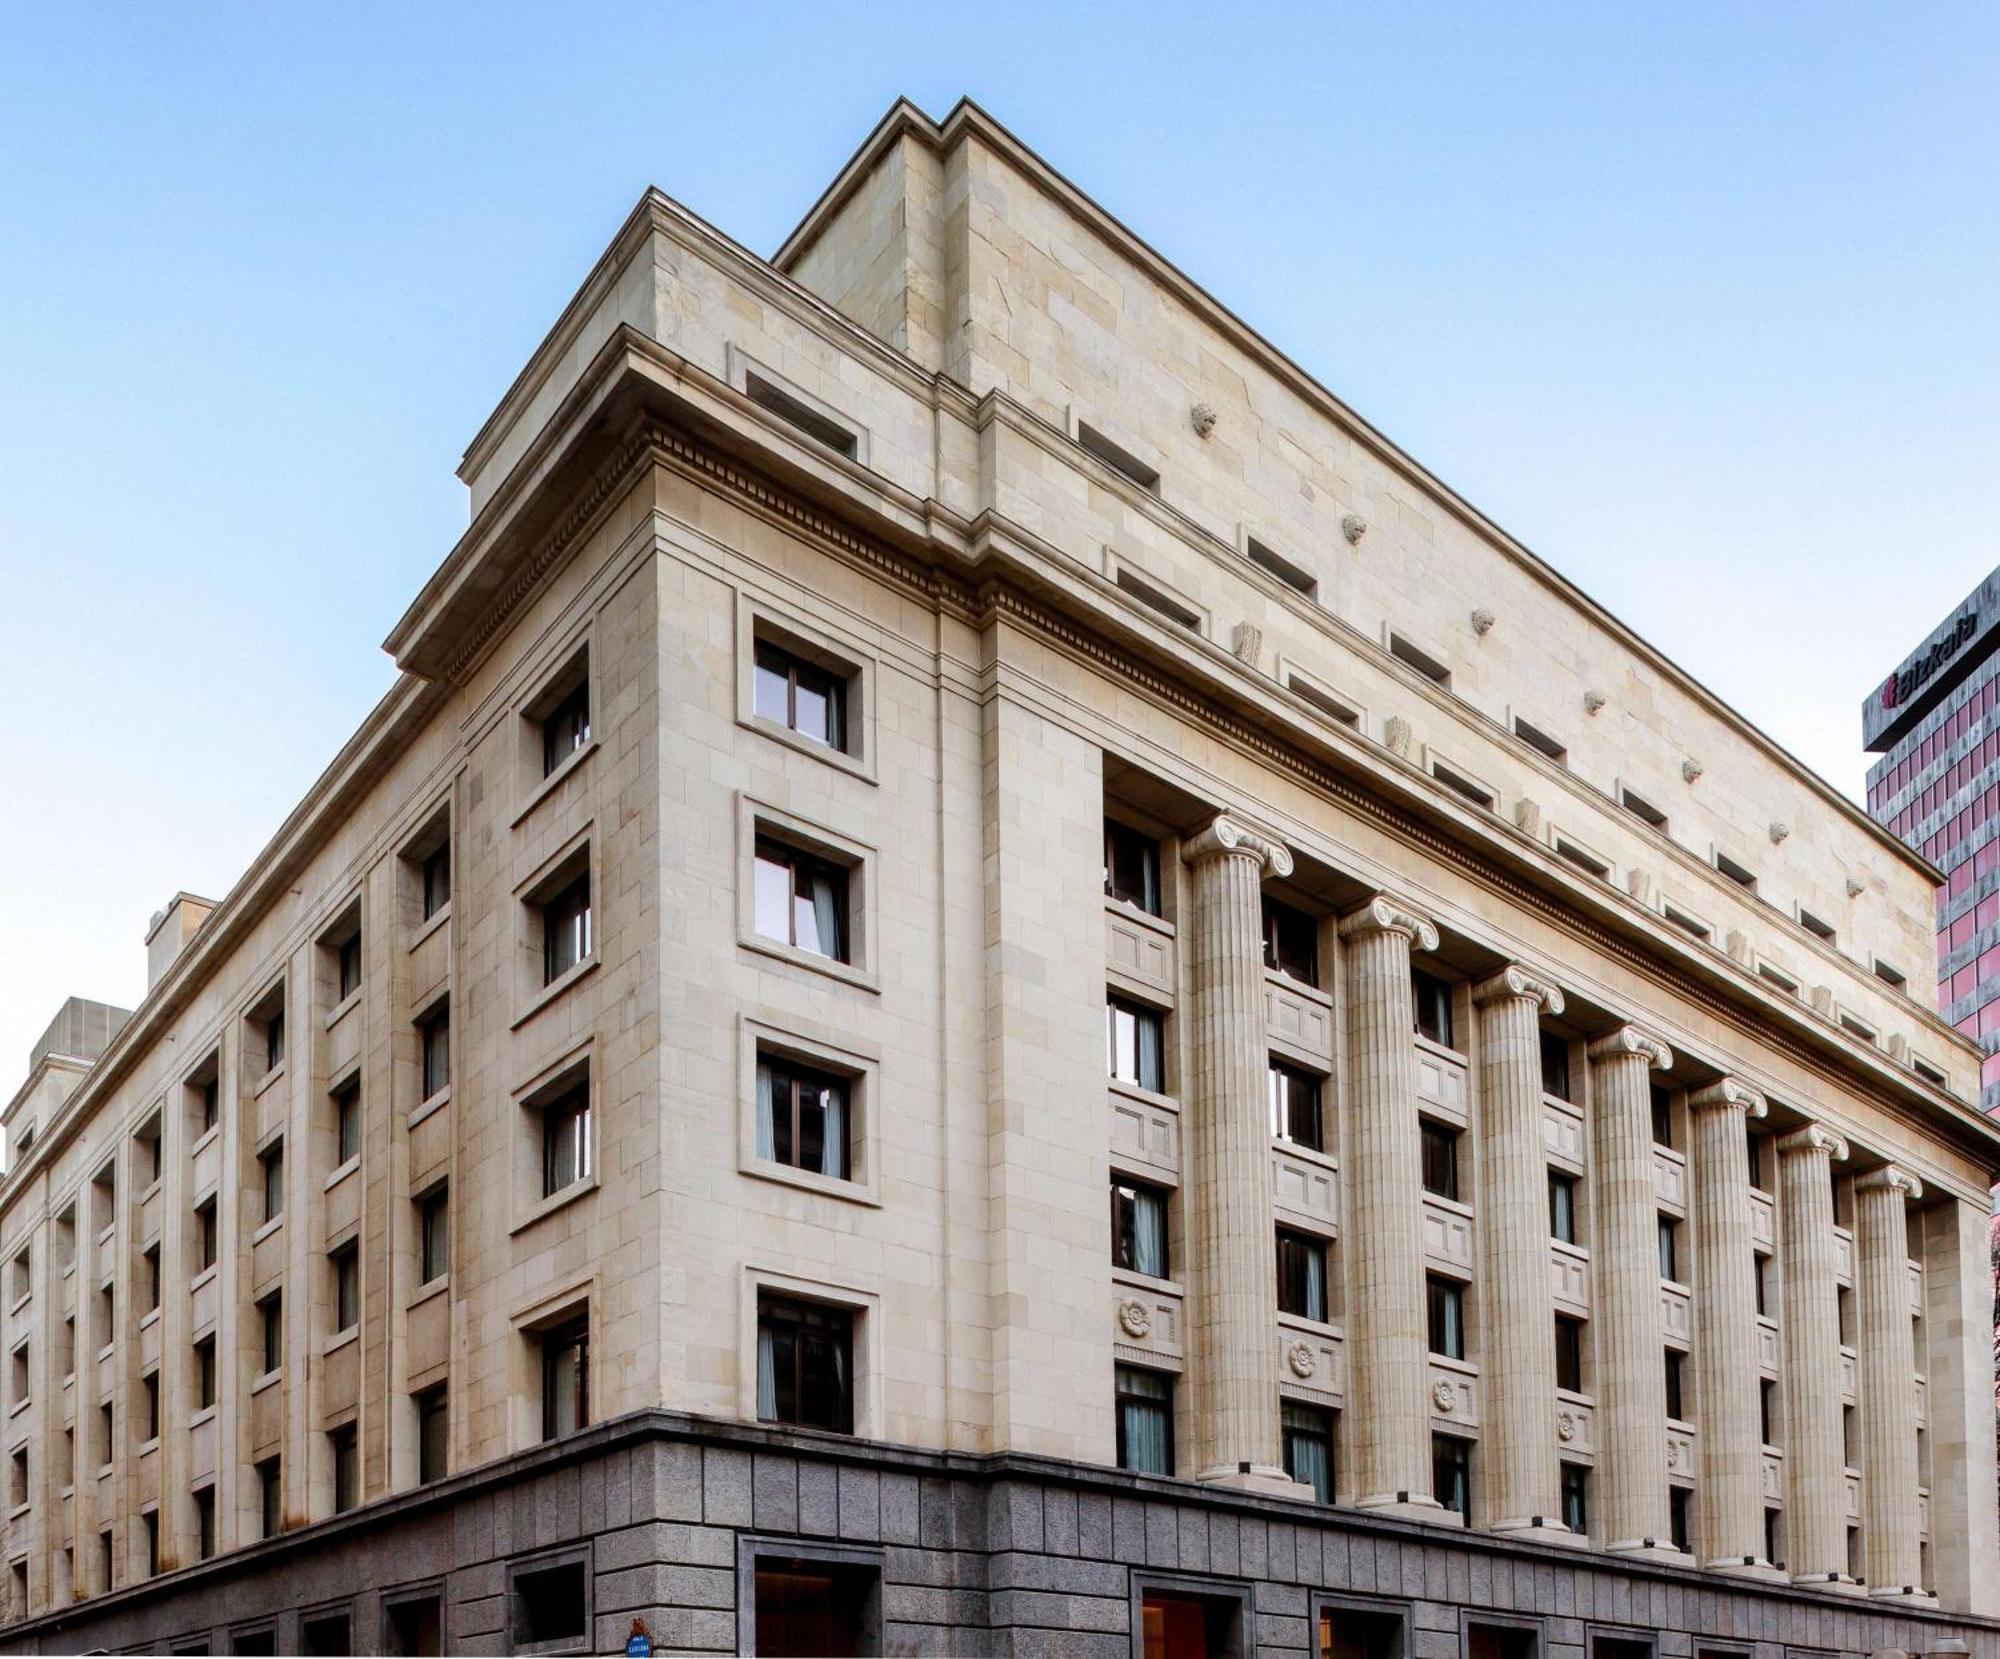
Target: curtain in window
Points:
(833, 1145)
(826, 914)
(1151, 1074)
(1149, 1235)
(1145, 1436)
(767, 1376)
(1307, 1460)
(767, 1138)
(1315, 1282)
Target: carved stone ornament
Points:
(1134, 1317)
(1528, 816)
(1443, 1395)
(1354, 527)
(1396, 736)
(1593, 701)
(1813, 1139)
(1892, 1179)
(1382, 914)
(1225, 835)
(1633, 1039)
(1482, 621)
(1779, 831)
(1856, 888)
(1565, 1426)
(1202, 418)
(1726, 1095)
(1246, 640)
(1690, 770)
(1676, 1452)
(1303, 1361)
(1518, 982)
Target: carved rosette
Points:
(1383, 914)
(1225, 837)
(1300, 1357)
(1518, 982)
(1634, 1039)
(1813, 1139)
(1728, 1095)
(1565, 1426)
(1135, 1319)
(1443, 1396)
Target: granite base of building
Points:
(663, 1518)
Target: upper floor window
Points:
(801, 899)
(1569, 1353)
(434, 875)
(800, 695)
(434, 1235)
(271, 1171)
(1139, 1228)
(1291, 942)
(802, 1117)
(346, 1263)
(345, 1445)
(1118, 458)
(270, 1498)
(1663, 1117)
(1433, 1007)
(1447, 1316)
(1670, 1248)
(347, 966)
(1145, 1406)
(206, 1234)
(1676, 1401)
(566, 725)
(1131, 867)
(1308, 1445)
(204, 1373)
(566, 928)
(1451, 1483)
(1134, 1038)
(434, 1051)
(566, 1152)
(1555, 1065)
(566, 1378)
(1301, 1275)
(433, 1434)
(271, 1329)
(1295, 1107)
(1562, 1207)
(1440, 1158)
(805, 1364)
(267, 1028)
(347, 1121)
(795, 411)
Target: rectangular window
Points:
(1291, 942)
(271, 1326)
(1447, 1316)
(1734, 871)
(1276, 564)
(1145, 1402)
(17, 1477)
(149, 1405)
(1324, 702)
(271, 1178)
(566, 726)
(801, 900)
(347, 1121)
(1433, 1007)
(347, 966)
(270, 1498)
(1676, 1365)
(1691, 925)
(1459, 784)
(1576, 1498)
(797, 412)
(326, 1635)
(1131, 867)
(1849, 1451)
(806, 1606)
(1753, 1144)
(1569, 1353)
(1440, 1158)
(1774, 1537)
(209, 1093)
(204, 1373)
(1308, 1437)
(1562, 1207)
(1813, 925)
(566, 1136)
(1301, 1275)
(414, 1624)
(800, 696)
(434, 878)
(1451, 1474)
(549, 1606)
(1670, 1248)
(206, 1239)
(434, 1235)
(566, 1379)
(1582, 858)
(1678, 1498)
(344, 1443)
(274, 1031)
(1118, 458)
(1643, 809)
(1539, 740)
(1295, 1107)
(433, 1434)
(1419, 659)
(1663, 1117)
(1139, 1228)
(566, 929)
(805, 1364)
(434, 1051)
(150, 1281)
(204, 1523)
(1134, 1041)
(1155, 598)
(1555, 1066)
(1767, 1391)
(1760, 1275)
(346, 1263)
(802, 1117)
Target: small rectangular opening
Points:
(1734, 871)
(1813, 925)
(808, 1606)
(551, 1604)
(1583, 859)
(1642, 809)
(1893, 977)
(1327, 704)
(797, 413)
(1928, 1072)
(1536, 738)
(1147, 594)
(1688, 924)
(1419, 659)
(1118, 458)
(1783, 981)
(1855, 1028)
(1276, 564)
(1461, 784)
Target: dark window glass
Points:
(1670, 1248)
(149, 1277)
(1774, 1550)
(1301, 1275)
(799, 695)
(1569, 1353)
(346, 1288)
(433, 1434)
(204, 1373)
(1766, 1393)
(437, 879)
(204, 1523)
(150, 1405)
(1447, 1317)
(805, 1364)
(1576, 1498)
(1308, 1435)
(271, 1162)
(416, 1625)
(566, 728)
(802, 1117)
(346, 1469)
(1440, 1154)
(326, 1635)
(1145, 1401)
(1677, 1514)
(550, 1604)
(801, 900)
(211, 1103)
(1131, 867)
(566, 1140)
(1760, 1275)
(1139, 1228)
(1562, 1207)
(347, 1122)
(206, 1240)
(434, 1235)
(1190, 1627)
(1360, 1633)
(1675, 1364)
(1291, 942)
(270, 1498)
(1663, 1116)
(1754, 1151)
(150, 1525)
(1433, 1007)
(1295, 1107)
(274, 1040)
(271, 1317)
(566, 1379)
(434, 1038)
(566, 929)
(815, 1608)
(1133, 1040)
(1555, 1065)
(349, 973)
(1451, 1474)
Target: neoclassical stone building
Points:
(994, 982)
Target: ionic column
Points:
(1888, 1381)
(1815, 1464)
(1233, 1297)
(1518, 1445)
(1725, 1309)
(1388, 1401)
(1625, 1303)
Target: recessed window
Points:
(1928, 1072)
(1737, 873)
(271, 1329)
(1569, 1353)
(1670, 1248)
(1761, 1282)
(347, 1121)
(1562, 1207)
(1139, 1228)
(1576, 1498)
(346, 1265)
(1432, 1001)
(150, 1281)
(1131, 867)
(1308, 1443)
(1774, 1537)
(1642, 809)
(1325, 702)
(207, 1091)
(204, 1523)
(1679, 1504)
(567, 937)
(434, 1234)
(566, 1138)
(1691, 925)
(802, 1117)
(1582, 858)
(1301, 1275)
(1419, 659)
(17, 1477)
(1779, 978)
(1813, 925)
(1555, 1065)
(325, 1635)
(1895, 978)
(344, 1444)
(1295, 1107)
(347, 967)
(1855, 1028)
(1291, 942)
(801, 900)
(806, 1606)
(149, 1406)
(1446, 1298)
(805, 1364)
(1767, 1415)
(434, 1051)
(1440, 1158)
(1661, 1102)
(434, 879)
(1460, 784)
(149, 1524)
(207, 1235)
(433, 1434)
(270, 1498)
(796, 412)
(204, 1373)
(1134, 1042)
(1155, 597)
(550, 1604)
(415, 1624)
(1676, 1368)
(1451, 1474)
(264, 1029)
(1273, 563)
(21, 1273)
(1118, 458)
(1539, 740)
(1145, 1406)
(1347, 1632)
(565, 723)
(566, 1379)
(271, 1179)
(800, 696)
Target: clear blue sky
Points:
(1700, 301)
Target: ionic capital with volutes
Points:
(1727, 1095)
(1891, 1179)
(1813, 1140)
(1382, 914)
(1630, 1040)
(1225, 837)
(1519, 983)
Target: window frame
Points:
(1452, 1323)
(572, 1333)
(753, 1547)
(760, 623)
(1167, 1404)
(760, 824)
(1442, 997)
(1142, 1192)
(1121, 841)
(433, 1206)
(1276, 915)
(580, 1555)
(434, 1042)
(832, 1327)
(1145, 1016)
(1434, 1133)
(1283, 1078)
(1570, 1185)
(816, 1048)
(1306, 1247)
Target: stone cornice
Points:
(1727, 1094)
(1889, 1178)
(1813, 1139)
(1226, 837)
(1383, 914)
(1630, 1040)
(1519, 983)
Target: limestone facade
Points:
(969, 880)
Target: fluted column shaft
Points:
(1888, 1380)
(1233, 1299)
(1625, 1260)
(1725, 1305)
(1518, 1446)
(1388, 1414)
(1815, 1515)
